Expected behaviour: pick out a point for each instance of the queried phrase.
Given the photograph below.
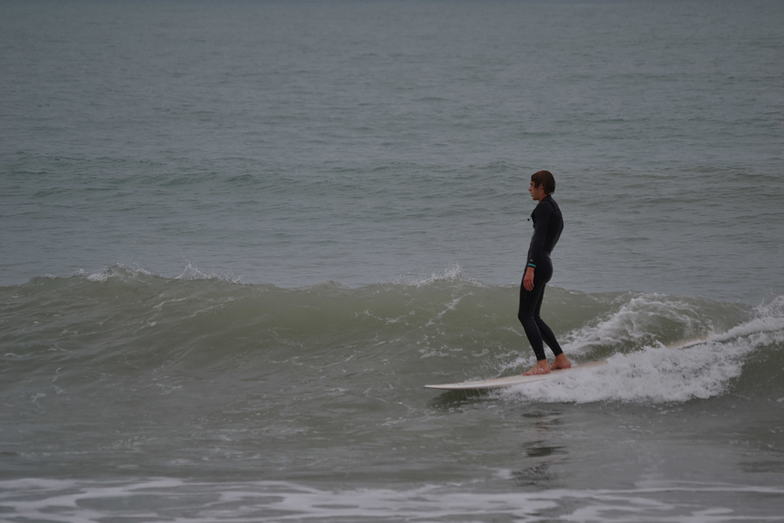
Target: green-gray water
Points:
(238, 237)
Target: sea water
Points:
(238, 237)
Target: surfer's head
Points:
(542, 181)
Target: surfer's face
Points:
(536, 191)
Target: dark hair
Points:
(544, 178)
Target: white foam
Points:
(115, 271)
(656, 373)
(191, 272)
(768, 318)
(636, 322)
(74, 501)
(126, 272)
(450, 274)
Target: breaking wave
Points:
(135, 329)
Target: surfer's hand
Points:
(528, 279)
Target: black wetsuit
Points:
(548, 224)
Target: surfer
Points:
(548, 224)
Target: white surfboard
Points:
(508, 381)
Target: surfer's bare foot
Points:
(542, 367)
(561, 362)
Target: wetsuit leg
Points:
(548, 336)
(537, 331)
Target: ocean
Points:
(239, 236)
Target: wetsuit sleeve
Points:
(543, 215)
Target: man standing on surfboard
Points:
(548, 224)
